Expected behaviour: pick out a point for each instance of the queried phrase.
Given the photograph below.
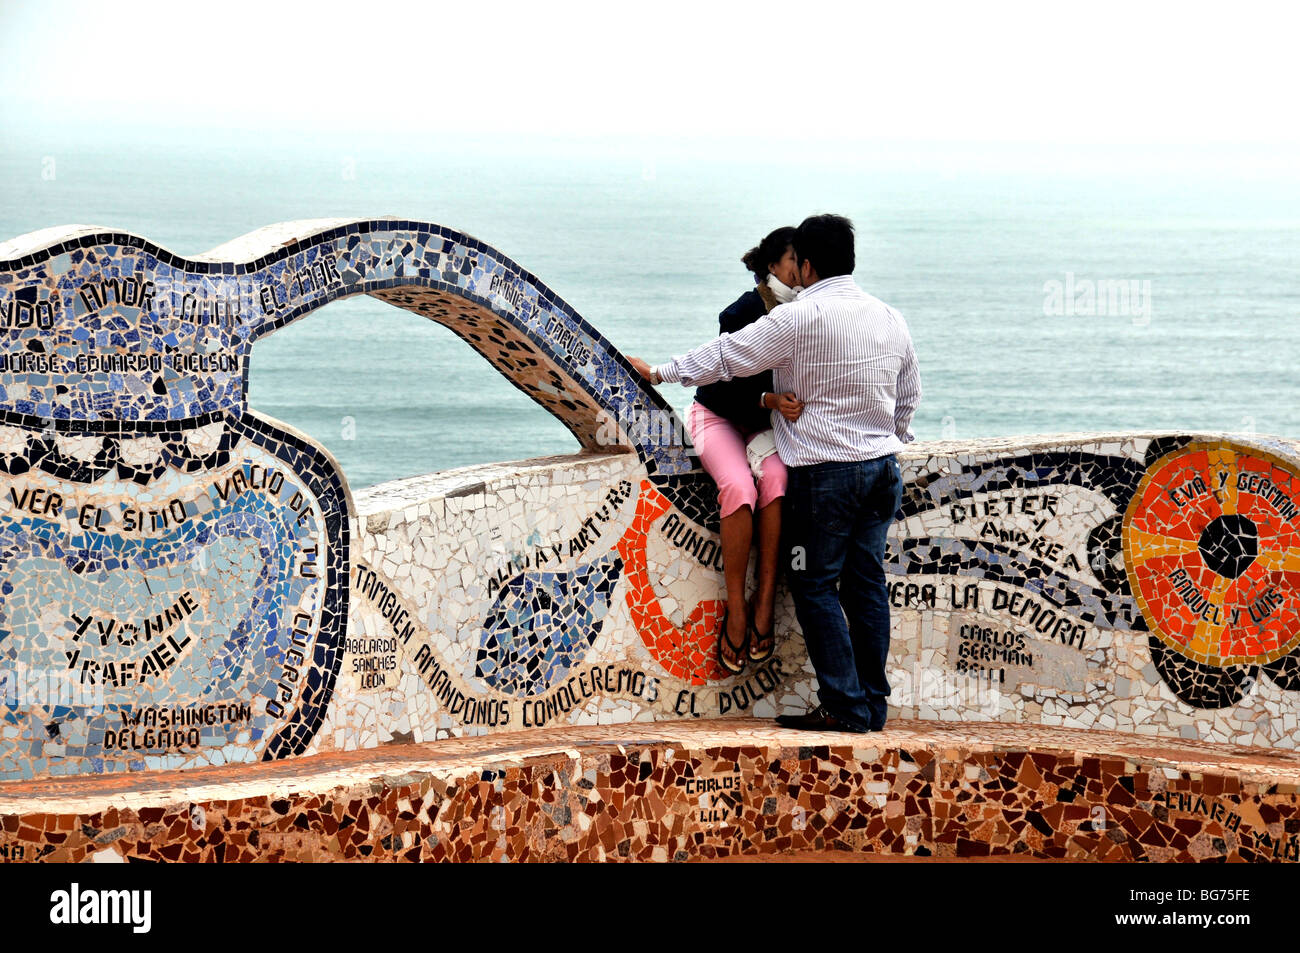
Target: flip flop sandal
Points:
(761, 646)
(724, 642)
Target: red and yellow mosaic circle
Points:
(1212, 550)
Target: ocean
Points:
(1047, 290)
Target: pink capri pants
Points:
(721, 446)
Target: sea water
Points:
(1043, 296)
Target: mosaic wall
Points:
(187, 582)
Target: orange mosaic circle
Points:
(690, 652)
(1212, 550)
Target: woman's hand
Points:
(789, 406)
(643, 369)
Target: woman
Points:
(723, 420)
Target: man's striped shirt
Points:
(847, 355)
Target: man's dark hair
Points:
(827, 242)
(768, 252)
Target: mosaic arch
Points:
(176, 563)
(185, 581)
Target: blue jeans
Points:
(837, 519)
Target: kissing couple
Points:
(803, 401)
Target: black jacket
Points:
(737, 399)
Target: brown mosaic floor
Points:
(689, 791)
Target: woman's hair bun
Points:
(768, 252)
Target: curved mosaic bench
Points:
(187, 582)
(679, 791)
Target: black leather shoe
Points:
(819, 719)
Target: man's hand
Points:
(643, 369)
(789, 406)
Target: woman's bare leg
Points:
(737, 531)
(769, 546)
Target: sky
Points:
(1095, 73)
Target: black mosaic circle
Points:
(1229, 544)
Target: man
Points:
(849, 358)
